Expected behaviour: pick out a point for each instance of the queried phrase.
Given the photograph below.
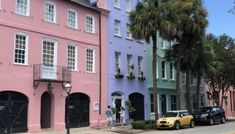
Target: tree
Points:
(220, 79)
(190, 23)
(147, 20)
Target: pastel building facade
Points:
(126, 64)
(166, 76)
(45, 43)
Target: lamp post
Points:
(67, 87)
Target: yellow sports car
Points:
(176, 119)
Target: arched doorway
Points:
(117, 102)
(13, 112)
(137, 101)
(79, 107)
(46, 110)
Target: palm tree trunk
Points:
(154, 61)
(188, 91)
(198, 90)
(178, 92)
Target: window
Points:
(129, 62)
(163, 70)
(172, 71)
(202, 100)
(151, 103)
(140, 65)
(21, 46)
(117, 3)
(48, 53)
(233, 100)
(72, 18)
(72, 57)
(90, 24)
(173, 102)
(157, 70)
(183, 78)
(50, 12)
(128, 33)
(128, 5)
(117, 28)
(163, 44)
(117, 60)
(90, 60)
(22, 7)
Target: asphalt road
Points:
(228, 128)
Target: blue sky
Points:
(220, 21)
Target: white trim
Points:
(93, 23)
(76, 56)
(0, 4)
(27, 9)
(26, 47)
(76, 18)
(173, 71)
(55, 50)
(118, 22)
(128, 6)
(93, 65)
(54, 17)
(164, 78)
(117, 5)
(157, 68)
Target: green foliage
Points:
(131, 109)
(114, 110)
(146, 125)
(118, 74)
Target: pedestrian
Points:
(109, 115)
(122, 113)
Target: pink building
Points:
(45, 43)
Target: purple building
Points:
(126, 63)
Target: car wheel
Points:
(177, 125)
(192, 123)
(211, 121)
(223, 120)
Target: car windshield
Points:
(171, 114)
(205, 109)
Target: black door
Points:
(13, 112)
(163, 104)
(46, 110)
(137, 101)
(118, 103)
(78, 110)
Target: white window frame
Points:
(17, 11)
(163, 69)
(128, 32)
(129, 62)
(157, 73)
(172, 71)
(140, 65)
(92, 25)
(54, 13)
(117, 28)
(93, 62)
(55, 50)
(0, 4)
(69, 20)
(128, 5)
(117, 3)
(75, 58)
(117, 60)
(26, 48)
(163, 45)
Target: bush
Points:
(148, 124)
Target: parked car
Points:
(210, 115)
(175, 119)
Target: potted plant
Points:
(131, 109)
(141, 76)
(130, 74)
(118, 74)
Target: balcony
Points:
(57, 74)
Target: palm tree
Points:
(147, 20)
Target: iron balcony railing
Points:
(42, 73)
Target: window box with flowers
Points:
(118, 74)
(141, 76)
(130, 74)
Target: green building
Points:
(165, 79)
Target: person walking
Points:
(109, 115)
(122, 113)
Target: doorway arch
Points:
(79, 108)
(137, 101)
(45, 110)
(13, 112)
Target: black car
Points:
(210, 115)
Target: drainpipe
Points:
(100, 76)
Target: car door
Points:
(182, 119)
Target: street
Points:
(228, 128)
